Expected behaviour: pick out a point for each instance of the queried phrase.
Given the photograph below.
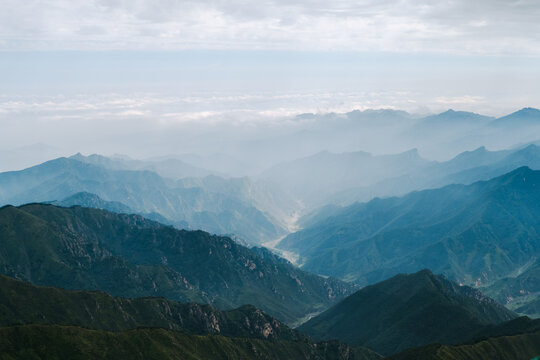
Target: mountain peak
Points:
(481, 149)
(520, 171)
(438, 310)
(528, 111)
(525, 116)
(451, 115)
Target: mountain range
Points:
(130, 256)
(48, 322)
(313, 179)
(144, 192)
(407, 309)
(100, 311)
(474, 234)
(90, 249)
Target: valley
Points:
(332, 256)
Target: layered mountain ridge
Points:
(474, 234)
(130, 256)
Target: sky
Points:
(73, 71)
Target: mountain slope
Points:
(521, 293)
(314, 179)
(89, 200)
(524, 117)
(143, 192)
(474, 234)
(62, 342)
(129, 256)
(407, 311)
(465, 168)
(516, 347)
(167, 168)
(451, 118)
(22, 303)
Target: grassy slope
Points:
(59, 342)
(516, 347)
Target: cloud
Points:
(454, 26)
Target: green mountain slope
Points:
(130, 256)
(474, 234)
(22, 303)
(520, 293)
(516, 347)
(60, 342)
(407, 311)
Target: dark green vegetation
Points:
(471, 233)
(407, 311)
(22, 303)
(516, 347)
(48, 323)
(60, 342)
(130, 256)
(225, 208)
(520, 293)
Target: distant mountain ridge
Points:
(450, 117)
(143, 192)
(315, 178)
(465, 168)
(443, 229)
(523, 117)
(86, 199)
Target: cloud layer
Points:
(453, 26)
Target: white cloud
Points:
(455, 26)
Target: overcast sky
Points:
(65, 64)
(450, 27)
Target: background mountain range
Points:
(474, 233)
(114, 240)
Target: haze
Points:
(165, 78)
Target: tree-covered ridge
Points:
(407, 311)
(130, 256)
